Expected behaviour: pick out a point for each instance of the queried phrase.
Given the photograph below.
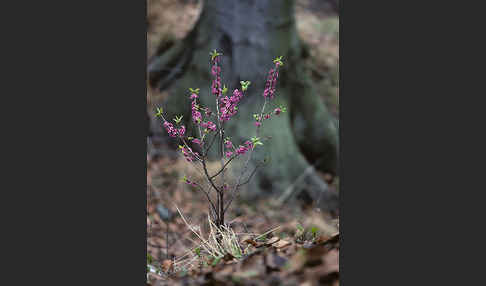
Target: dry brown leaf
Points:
(272, 241)
(167, 265)
(253, 242)
(281, 244)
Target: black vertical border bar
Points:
(77, 70)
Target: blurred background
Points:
(306, 195)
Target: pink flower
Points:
(188, 154)
(170, 129)
(194, 96)
(211, 126)
(196, 115)
(277, 111)
(249, 144)
(228, 154)
(196, 141)
(229, 144)
(216, 83)
(271, 82)
(181, 130)
(228, 105)
(258, 124)
(241, 150)
(267, 116)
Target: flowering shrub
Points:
(209, 132)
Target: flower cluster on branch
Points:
(226, 109)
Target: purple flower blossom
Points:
(194, 96)
(216, 72)
(187, 154)
(208, 112)
(190, 183)
(258, 124)
(228, 154)
(181, 131)
(277, 111)
(196, 141)
(228, 105)
(249, 144)
(271, 82)
(170, 129)
(211, 126)
(196, 115)
(267, 116)
(228, 144)
(241, 150)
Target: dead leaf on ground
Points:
(272, 241)
(167, 265)
(281, 244)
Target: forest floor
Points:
(300, 245)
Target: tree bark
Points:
(250, 34)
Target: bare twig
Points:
(207, 195)
(223, 167)
(235, 190)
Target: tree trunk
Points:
(250, 34)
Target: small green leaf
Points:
(196, 91)
(198, 251)
(214, 54)
(245, 84)
(256, 141)
(149, 258)
(225, 89)
(159, 111)
(178, 119)
(279, 60)
(184, 179)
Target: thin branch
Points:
(224, 166)
(235, 190)
(249, 177)
(211, 144)
(239, 185)
(208, 177)
(190, 149)
(207, 195)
